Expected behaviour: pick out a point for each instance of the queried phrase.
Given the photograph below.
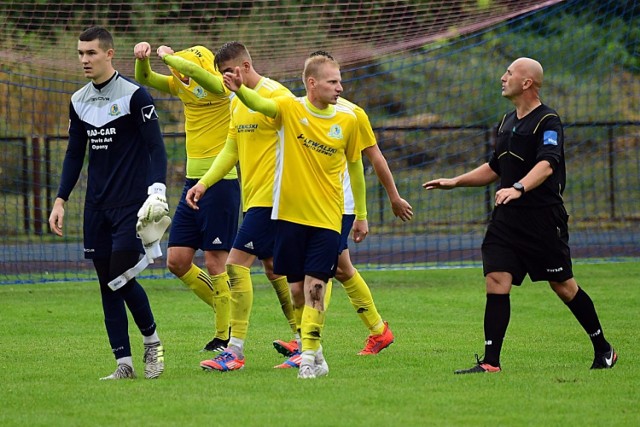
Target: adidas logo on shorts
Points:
(249, 245)
(217, 241)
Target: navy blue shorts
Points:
(302, 250)
(347, 225)
(214, 226)
(256, 235)
(110, 230)
(533, 241)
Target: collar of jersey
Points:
(329, 111)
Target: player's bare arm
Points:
(56, 219)
(400, 207)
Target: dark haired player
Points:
(116, 118)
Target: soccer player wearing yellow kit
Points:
(357, 290)
(252, 142)
(316, 137)
(213, 227)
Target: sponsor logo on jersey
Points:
(246, 128)
(316, 146)
(304, 121)
(101, 132)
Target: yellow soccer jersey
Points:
(206, 114)
(256, 137)
(310, 162)
(367, 139)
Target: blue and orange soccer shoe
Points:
(225, 361)
(291, 362)
(286, 348)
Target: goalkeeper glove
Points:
(155, 207)
(150, 232)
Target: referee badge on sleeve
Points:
(550, 137)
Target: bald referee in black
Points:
(528, 231)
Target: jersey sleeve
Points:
(144, 113)
(74, 156)
(550, 145)
(223, 164)
(358, 188)
(253, 100)
(148, 77)
(367, 137)
(207, 80)
(353, 150)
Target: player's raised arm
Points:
(209, 81)
(249, 97)
(143, 72)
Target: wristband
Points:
(157, 188)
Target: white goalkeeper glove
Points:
(155, 207)
(150, 232)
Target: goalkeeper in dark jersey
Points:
(528, 232)
(116, 119)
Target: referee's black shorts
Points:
(524, 240)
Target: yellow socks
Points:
(311, 328)
(241, 299)
(327, 294)
(221, 304)
(362, 300)
(281, 287)
(200, 283)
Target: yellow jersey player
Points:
(316, 137)
(252, 142)
(357, 290)
(213, 227)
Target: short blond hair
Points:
(313, 64)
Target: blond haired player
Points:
(316, 137)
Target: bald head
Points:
(529, 69)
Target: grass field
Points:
(53, 349)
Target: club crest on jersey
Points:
(114, 110)
(199, 92)
(335, 132)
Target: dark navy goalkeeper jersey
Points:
(117, 120)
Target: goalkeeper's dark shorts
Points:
(110, 230)
(533, 241)
(212, 227)
(257, 232)
(347, 225)
(303, 250)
